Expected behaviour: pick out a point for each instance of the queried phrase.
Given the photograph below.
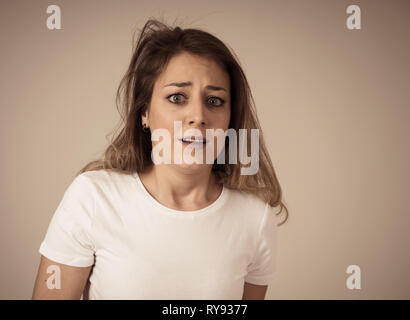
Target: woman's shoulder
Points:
(248, 202)
(104, 180)
(251, 209)
(104, 175)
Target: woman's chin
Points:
(194, 167)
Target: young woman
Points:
(138, 229)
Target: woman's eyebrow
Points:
(185, 84)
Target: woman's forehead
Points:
(189, 68)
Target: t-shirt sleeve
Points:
(262, 269)
(68, 239)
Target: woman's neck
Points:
(181, 190)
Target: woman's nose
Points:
(196, 113)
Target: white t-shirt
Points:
(142, 249)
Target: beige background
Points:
(334, 106)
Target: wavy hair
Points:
(129, 150)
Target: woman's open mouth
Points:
(195, 140)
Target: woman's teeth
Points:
(193, 140)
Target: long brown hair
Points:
(130, 150)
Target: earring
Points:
(145, 128)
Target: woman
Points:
(138, 229)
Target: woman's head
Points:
(163, 55)
(195, 91)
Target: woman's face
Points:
(196, 92)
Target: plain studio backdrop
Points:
(333, 104)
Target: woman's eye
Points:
(221, 102)
(174, 95)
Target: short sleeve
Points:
(262, 269)
(68, 239)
